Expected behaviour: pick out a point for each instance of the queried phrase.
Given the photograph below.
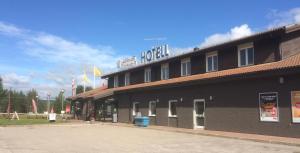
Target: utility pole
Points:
(48, 106)
(62, 100)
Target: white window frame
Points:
(147, 71)
(245, 46)
(127, 79)
(116, 81)
(164, 66)
(212, 54)
(186, 60)
(150, 113)
(134, 108)
(169, 113)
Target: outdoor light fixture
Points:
(281, 80)
(210, 98)
(157, 100)
(181, 99)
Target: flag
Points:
(73, 87)
(85, 78)
(52, 110)
(34, 108)
(97, 72)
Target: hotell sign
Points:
(155, 54)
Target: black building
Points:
(246, 85)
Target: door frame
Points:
(194, 114)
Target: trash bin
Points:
(142, 121)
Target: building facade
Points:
(248, 85)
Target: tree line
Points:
(21, 102)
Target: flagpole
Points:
(94, 76)
(83, 86)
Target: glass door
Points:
(199, 113)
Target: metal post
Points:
(62, 100)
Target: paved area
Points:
(98, 138)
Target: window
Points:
(165, 71)
(148, 75)
(127, 79)
(152, 108)
(135, 108)
(212, 61)
(173, 108)
(246, 54)
(116, 81)
(185, 67)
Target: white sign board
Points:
(127, 62)
(155, 54)
(52, 117)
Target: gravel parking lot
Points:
(97, 138)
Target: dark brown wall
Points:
(290, 44)
(155, 73)
(137, 77)
(228, 58)
(175, 68)
(110, 82)
(266, 51)
(198, 64)
(121, 79)
(234, 106)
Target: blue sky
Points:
(44, 44)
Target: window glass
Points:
(152, 108)
(243, 57)
(215, 63)
(147, 75)
(173, 111)
(116, 81)
(127, 79)
(165, 72)
(209, 63)
(183, 67)
(188, 68)
(250, 55)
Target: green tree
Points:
(88, 88)
(58, 102)
(3, 97)
(32, 94)
(79, 89)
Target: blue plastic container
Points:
(141, 121)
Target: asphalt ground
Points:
(98, 138)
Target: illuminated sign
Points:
(155, 54)
(127, 62)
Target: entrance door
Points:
(199, 113)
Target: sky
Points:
(45, 44)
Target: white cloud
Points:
(68, 58)
(9, 29)
(282, 18)
(234, 33)
(178, 50)
(12, 79)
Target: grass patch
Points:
(25, 121)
